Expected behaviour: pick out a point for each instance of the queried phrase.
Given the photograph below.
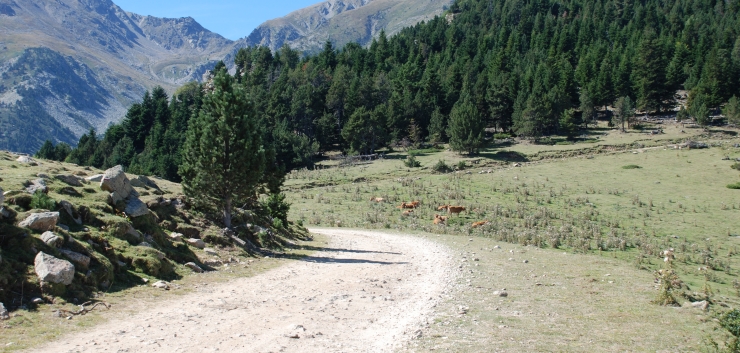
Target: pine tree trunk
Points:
(227, 212)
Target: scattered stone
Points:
(69, 208)
(500, 293)
(54, 270)
(2, 196)
(4, 315)
(462, 310)
(695, 145)
(115, 181)
(497, 247)
(200, 244)
(40, 221)
(136, 208)
(526, 261)
(161, 285)
(213, 262)
(95, 178)
(25, 159)
(194, 267)
(37, 301)
(52, 239)
(36, 185)
(176, 236)
(79, 259)
(295, 331)
(703, 305)
(145, 280)
(69, 179)
(211, 251)
(68, 190)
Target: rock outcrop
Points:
(40, 221)
(51, 239)
(122, 195)
(53, 270)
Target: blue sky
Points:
(232, 19)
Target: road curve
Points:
(365, 292)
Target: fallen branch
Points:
(82, 310)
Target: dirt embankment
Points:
(364, 292)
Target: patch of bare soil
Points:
(364, 292)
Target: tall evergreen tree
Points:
(466, 127)
(223, 157)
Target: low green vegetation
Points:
(585, 199)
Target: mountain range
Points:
(68, 66)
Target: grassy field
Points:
(620, 199)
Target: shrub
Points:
(277, 223)
(277, 206)
(735, 186)
(631, 166)
(441, 167)
(40, 200)
(501, 135)
(735, 166)
(461, 165)
(411, 162)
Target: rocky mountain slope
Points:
(70, 65)
(67, 66)
(343, 21)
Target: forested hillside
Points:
(531, 68)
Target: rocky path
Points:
(365, 292)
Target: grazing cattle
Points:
(443, 207)
(440, 219)
(413, 204)
(455, 209)
(377, 199)
(478, 224)
(407, 213)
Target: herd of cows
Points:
(408, 209)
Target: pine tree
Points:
(569, 124)
(223, 156)
(466, 126)
(437, 127)
(732, 111)
(625, 110)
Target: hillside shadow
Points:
(317, 248)
(505, 156)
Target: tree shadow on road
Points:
(318, 248)
(329, 260)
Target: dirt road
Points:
(365, 292)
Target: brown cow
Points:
(408, 205)
(478, 224)
(407, 213)
(440, 219)
(455, 209)
(415, 203)
(443, 207)
(377, 199)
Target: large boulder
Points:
(95, 178)
(25, 159)
(2, 197)
(33, 186)
(69, 208)
(53, 270)
(51, 239)
(136, 208)
(115, 181)
(200, 244)
(80, 260)
(40, 221)
(69, 179)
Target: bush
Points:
(277, 223)
(277, 206)
(411, 162)
(501, 135)
(441, 167)
(40, 200)
(735, 186)
(631, 166)
(461, 165)
(735, 166)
